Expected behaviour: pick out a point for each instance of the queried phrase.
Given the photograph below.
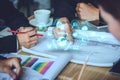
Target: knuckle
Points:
(5, 68)
(82, 4)
(78, 4)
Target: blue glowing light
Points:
(60, 25)
(75, 34)
(62, 41)
(84, 28)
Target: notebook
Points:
(43, 68)
(101, 45)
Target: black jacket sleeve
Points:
(63, 8)
(1, 58)
(8, 44)
(66, 8)
(13, 19)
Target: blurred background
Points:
(28, 6)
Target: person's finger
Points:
(55, 31)
(55, 34)
(70, 39)
(32, 43)
(68, 28)
(32, 32)
(33, 38)
(10, 72)
(16, 64)
(77, 9)
(25, 29)
(78, 5)
(69, 32)
(82, 5)
(89, 4)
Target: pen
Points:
(17, 32)
(82, 70)
(84, 66)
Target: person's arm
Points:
(86, 11)
(63, 8)
(28, 39)
(8, 44)
(12, 17)
(64, 11)
(65, 28)
(2, 58)
(92, 11)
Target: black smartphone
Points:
(115, 68)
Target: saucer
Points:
(34, 23)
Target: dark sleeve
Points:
(8, 44)
(63, 8)
(12, 17)
(1, 58)
(66, 8)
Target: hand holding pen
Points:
(27, 36)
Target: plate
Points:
(34, 23)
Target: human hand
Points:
(6, 66)
(60, 31)
(28, 39)
(87, 12)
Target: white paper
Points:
(103, 37)
(55, 69)
(50, 74)
(102, 45)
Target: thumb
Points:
(21, 28)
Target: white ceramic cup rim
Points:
(45, 11)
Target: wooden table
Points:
(72, 70)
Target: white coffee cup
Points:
(42, 16)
